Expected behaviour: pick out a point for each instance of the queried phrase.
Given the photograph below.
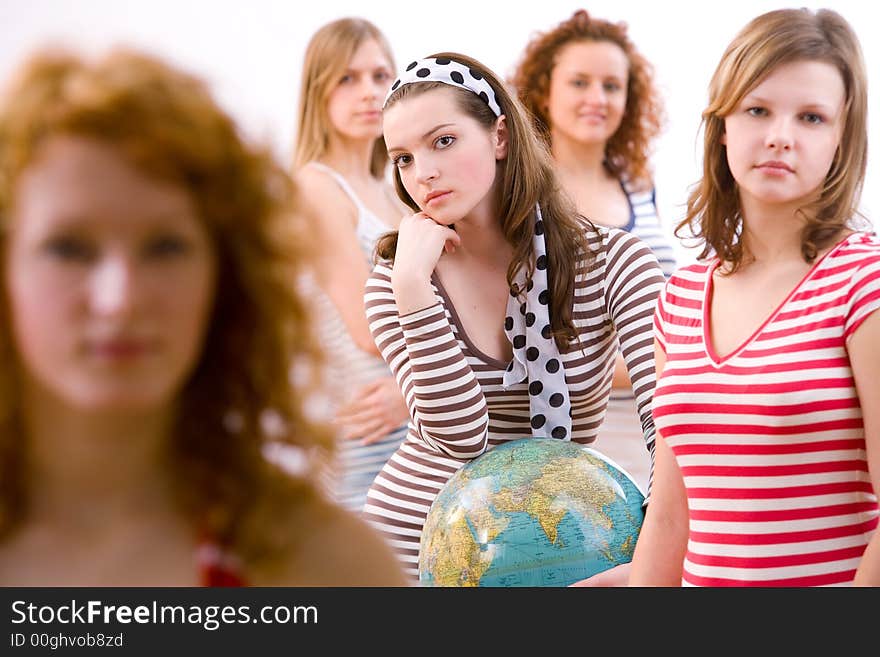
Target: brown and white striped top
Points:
(458, 407)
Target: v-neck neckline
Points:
(486, 358)
(708, 292)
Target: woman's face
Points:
(782, 137)
(588, 88)
(110, 277)
(355, 103)
(446, 160)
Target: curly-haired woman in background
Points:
(593, 98)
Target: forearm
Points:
(634, 283)
(411, 293)
(868, 572)
(659, 554)
(639, 353)
(445, 401)
(662, 545)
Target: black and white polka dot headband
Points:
(451, 72)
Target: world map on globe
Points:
(531, 512)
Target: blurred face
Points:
(587, 96)
(782, 137)
(446, 160)
(110, 278)
(355, 103)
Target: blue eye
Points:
(812, 117)
(756, 111)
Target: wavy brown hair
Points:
(327, 55)
(526, 179)
(714, 214)
(168, 125)
(628, 151)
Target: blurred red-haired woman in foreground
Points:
(147, 324)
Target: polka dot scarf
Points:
(527, 325)
(536, 357)
(448, 71)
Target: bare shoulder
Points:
(322, 197)
(334, 547)
(346, 551)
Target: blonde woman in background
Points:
(340, 163)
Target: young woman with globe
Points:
(499, 309)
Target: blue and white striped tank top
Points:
(349, 368)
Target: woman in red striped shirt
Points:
(769, 399)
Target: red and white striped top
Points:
(769, 439)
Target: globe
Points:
(531, 512)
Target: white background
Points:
(251, 52)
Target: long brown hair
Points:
(628, 150)
(168, 125)
(527, 179)
(327, 55)
(714, 215)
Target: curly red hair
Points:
(627, 152)
(166, 122)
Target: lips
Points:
(436, 196)
(119, 349)
(776, 167)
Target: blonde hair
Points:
(714, 215)
(327, 55)
(167, 124)
(527, 179)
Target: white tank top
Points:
(348, 367)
